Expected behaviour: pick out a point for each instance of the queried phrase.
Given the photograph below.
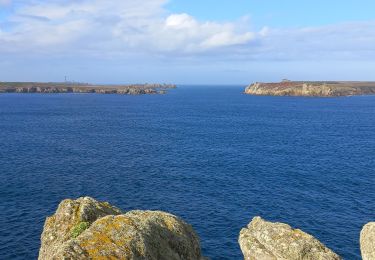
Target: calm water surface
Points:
(210, 155)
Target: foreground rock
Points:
(263, 240)
(368, 241)
(311, 88)
(108, 234)
(69, 215)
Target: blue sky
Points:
(179, 41)
(279, 13)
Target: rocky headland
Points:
(88, 229)
(311, 88)
(35, 87)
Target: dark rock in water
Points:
(262, 240)
(367, 241)
(100, 231)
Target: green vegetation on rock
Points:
(79, 228)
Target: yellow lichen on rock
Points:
(58, 228)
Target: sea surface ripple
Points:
(211, 155)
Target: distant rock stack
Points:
(262, 240)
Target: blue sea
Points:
(211, 155)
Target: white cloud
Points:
(119, 26)
(204, 36)
(184, 34)
(180, 21)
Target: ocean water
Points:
(211, 155)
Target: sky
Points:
(186, 42)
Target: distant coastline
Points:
(312, 88)
(44, 88)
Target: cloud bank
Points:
(115, 27)
(130, 31)
(119, 27)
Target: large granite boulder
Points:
(70, 215)
(112, 235)
(368, 241)
(262, 240)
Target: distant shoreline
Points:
(50, 88)
(312, 88)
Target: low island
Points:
(67, 87)
(312, 88)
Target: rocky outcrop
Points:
(69, 216)
(367, 241)
(262, 240)
(311, 88)
(87, 229)
(25, 87)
